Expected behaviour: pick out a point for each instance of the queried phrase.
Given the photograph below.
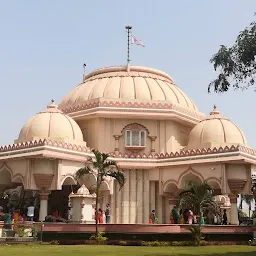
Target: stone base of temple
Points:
(161, 232)
(69, 232)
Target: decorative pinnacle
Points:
(52, 101)
(214, 107)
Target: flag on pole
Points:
(136, 41)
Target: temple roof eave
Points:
(59, 150)
(124, 108)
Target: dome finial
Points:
(52, 105)
(215, 111)
(84, 75)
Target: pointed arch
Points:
(213, 180)
(68, 180)
(133, 125)
(189, 174)
(215, 184)
(171, 187)
(104, 186)
(18, 178)
(5, 167)
(6, 174)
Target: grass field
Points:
(51, 250)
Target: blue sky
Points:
(44, 44)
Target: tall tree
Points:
(236, 64)
(102, 168)
(198, 197)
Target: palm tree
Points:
(248, 199)
(102, 168)
(198, 197)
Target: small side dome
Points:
(83, 190)
(51, 124)
(215, 131)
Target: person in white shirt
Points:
(31, 212)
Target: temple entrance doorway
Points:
(58, 204)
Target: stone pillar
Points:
(126, 199)
(152, 195)
(139, 197)
(117, 137)
(133, 202)
(234, 210)
(146, 209)
(113, 205)
(118, 204)
(43, 212)
(104, 202)
(159, 205)
(167, 210)
(153, 139)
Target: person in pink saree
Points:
(190, 217)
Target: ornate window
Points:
(135, 136)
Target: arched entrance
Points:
(58, 199)
(12, 193)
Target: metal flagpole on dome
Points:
(128, 28)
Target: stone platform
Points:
(164, 232)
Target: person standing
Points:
(31, 212)
(175, 215)
(153, 216)
(107, 214)
(100, 216)
(190, 217)
(225, 218)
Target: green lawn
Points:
(52, 250)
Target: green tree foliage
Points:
(199, 198)
(102, 168)
(236, 64)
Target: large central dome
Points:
(127, 83)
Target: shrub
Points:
(123, 243)
(154, 243)
(54, 242)
(100, 239)
(158, 243)
(252, 242)
(196, 234)
(34, 231)
(21, 231)
(182, 243)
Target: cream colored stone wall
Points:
(99, 133)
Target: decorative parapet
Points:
(185, 153)
(41, 143)
(105, 103)
(77, 148)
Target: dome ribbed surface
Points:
(51, 124)
(134, 83)
(215, 131)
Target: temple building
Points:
(150, 127)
